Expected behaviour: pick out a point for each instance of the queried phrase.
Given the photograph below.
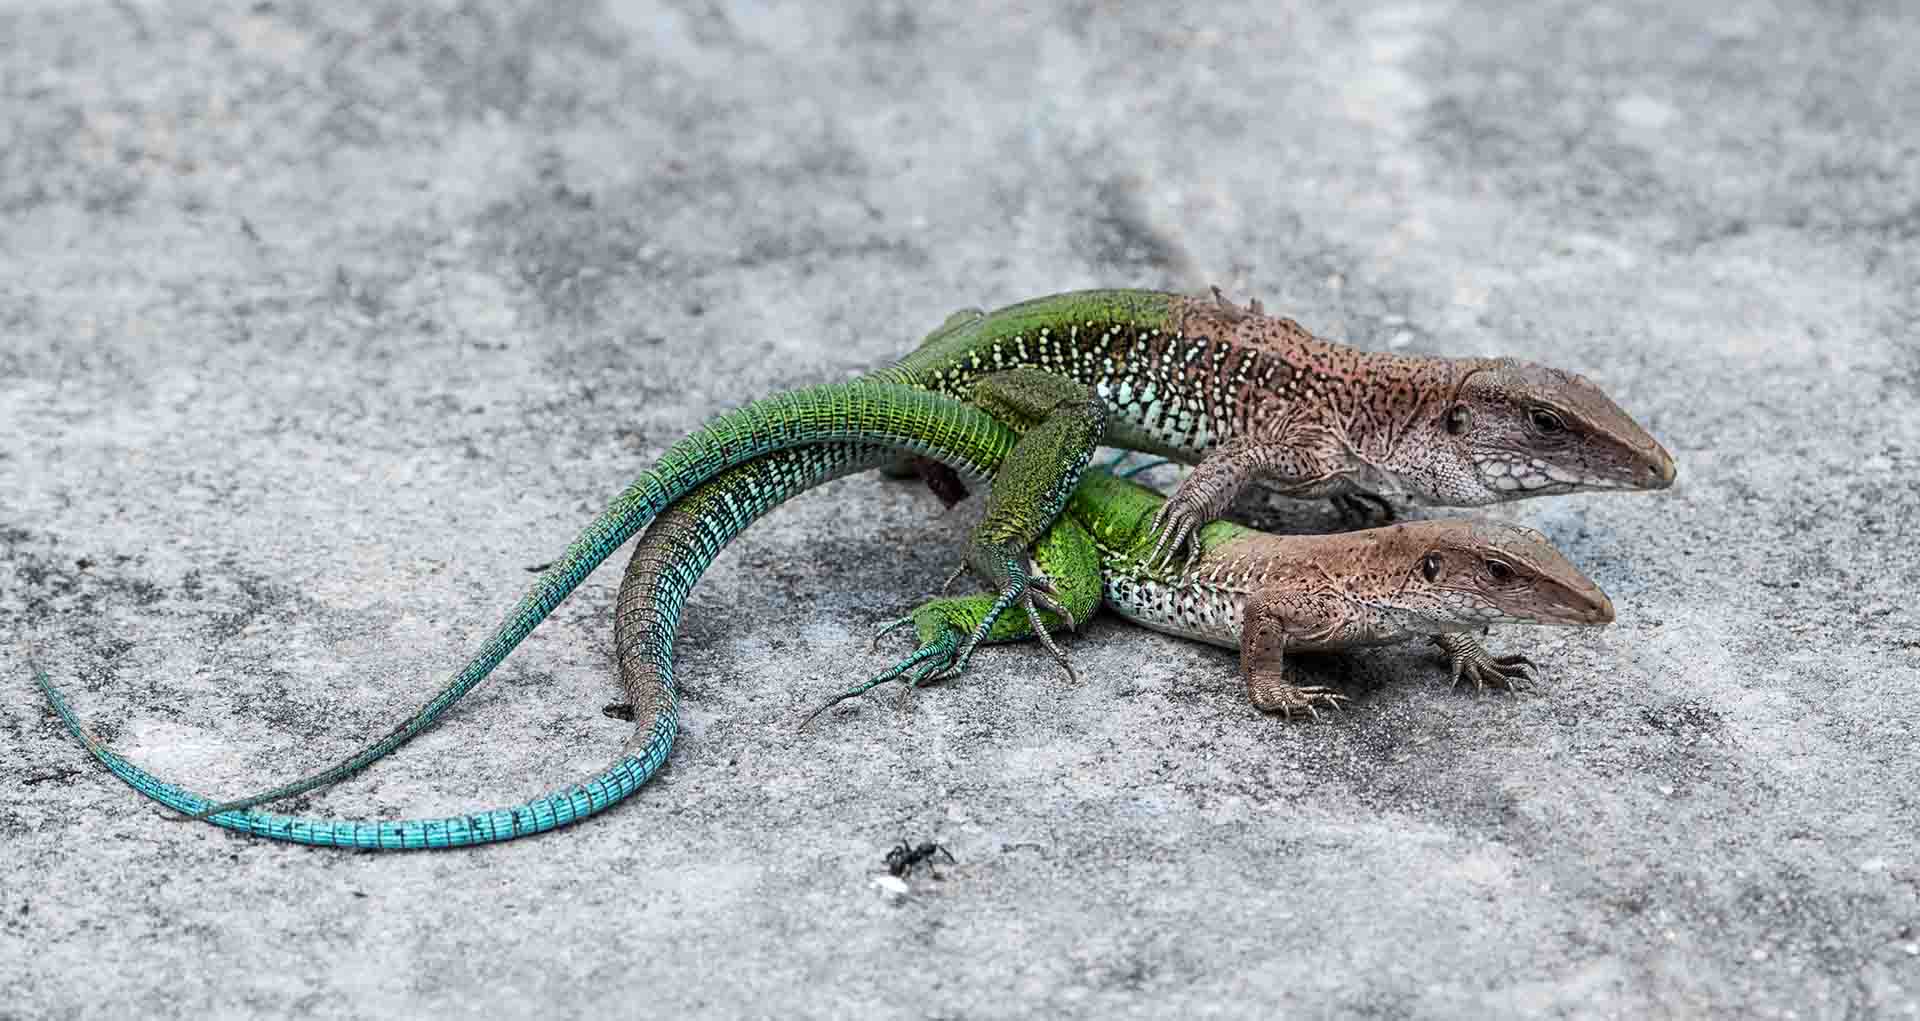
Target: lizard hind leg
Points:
(939, 641)
(1062, 580)
(1293, 462)
(1025, 505)
(1005, 571)
(1032, 595)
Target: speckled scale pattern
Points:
(1181, 375)
(1337, 591)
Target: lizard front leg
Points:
(1470, 659)
(1266, 626)
(1293, 462)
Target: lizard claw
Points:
(932, 659)
(1271, 693)
(1174, 526)
(1031, 594)
(1034, 603)
(1470, 660)
(946, 654)
(1041, 593)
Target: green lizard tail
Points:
(909, 419)
(693, 531)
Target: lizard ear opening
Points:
(1459, 419)
(1430, 566)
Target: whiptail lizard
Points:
(1245, 396)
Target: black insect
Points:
(905, 856)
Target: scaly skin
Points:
(694, 529)
(1105, 535)
(1247, 397)
(1268, 595)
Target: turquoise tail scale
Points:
(701, 525)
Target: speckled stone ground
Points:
(320, 323)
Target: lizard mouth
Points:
(1578, 608)
(1511, 478)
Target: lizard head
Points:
(1517, 429)
(1466, 574)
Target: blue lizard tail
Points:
(537, 816)
(736, 498)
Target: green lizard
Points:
(1245, 396)
(1248, 397)
(1268, 594)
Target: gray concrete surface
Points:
(319, 325)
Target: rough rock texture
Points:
(319, 326)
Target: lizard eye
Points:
(1545, 421)
(1459, 419)
(1500, 570)
(1430, 566)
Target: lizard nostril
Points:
(1661, 469)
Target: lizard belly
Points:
(1170, 424)
(1202, 613)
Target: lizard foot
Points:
(931, 659)
(1031, 594)
(1272, 693)
(1471, 660)
(1174, 525)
